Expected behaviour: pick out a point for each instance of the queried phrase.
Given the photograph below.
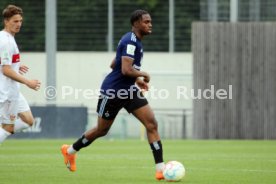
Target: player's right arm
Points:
(6, 62)
(128, 70)
(9, 72)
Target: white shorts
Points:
(9, 109)
(23, 105)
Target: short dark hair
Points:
(137, 15)
(11, 10)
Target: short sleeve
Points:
(5, 54)
(129, 49)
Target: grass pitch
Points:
(131, 162)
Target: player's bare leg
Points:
(69, 151)
(27, 117)
(24, 121)
(100, 130)
(7, 118)
(5, 131)
(146, 116)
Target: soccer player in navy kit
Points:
(119, 91)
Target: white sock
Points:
(160, 166)
(3, 134)
(20, 125)
(71, 150)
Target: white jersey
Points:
(9, 55)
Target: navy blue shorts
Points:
(108, 107)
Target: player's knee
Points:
(31, 121)
(103, 132)
(8, 128)
(152, 125)
(28, 120)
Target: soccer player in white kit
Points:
(15, 114)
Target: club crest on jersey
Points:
(106, 114)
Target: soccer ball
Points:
(174, 171)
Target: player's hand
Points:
(23, 69)
(34, 84)
(146, 78)
(142, 85)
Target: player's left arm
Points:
(10, 73)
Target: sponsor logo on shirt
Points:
(131, 49)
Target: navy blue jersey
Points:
(129, 46)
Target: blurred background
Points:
(69, 45)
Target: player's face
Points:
(13, 24)
(145, 24)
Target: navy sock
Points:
(81, 143)
(157, 151)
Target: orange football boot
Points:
(69, 160)
(159, 175)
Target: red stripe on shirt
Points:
(15, 58)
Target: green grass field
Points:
(131, 162)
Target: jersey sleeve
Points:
(129, 49)
(5, 54)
